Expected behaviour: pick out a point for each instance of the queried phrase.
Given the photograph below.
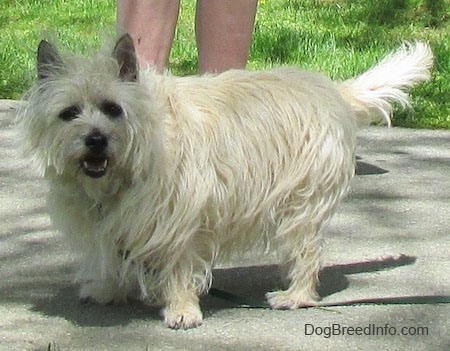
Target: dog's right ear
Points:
(47, 59)
(125, 55)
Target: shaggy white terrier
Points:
(153, 177)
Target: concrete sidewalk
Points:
(399, 204)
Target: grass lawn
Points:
(338, 37)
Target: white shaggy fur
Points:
(198, 166)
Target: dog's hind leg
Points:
(302, 247)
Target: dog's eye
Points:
(69, 113)
(111, 109)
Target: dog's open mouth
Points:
(94, 166)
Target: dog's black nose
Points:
(96, 141)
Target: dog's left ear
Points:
(125, 55)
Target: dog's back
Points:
(259, 146)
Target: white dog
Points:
(152, 177)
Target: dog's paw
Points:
(289, 300)
(182, 317)
(101, 293)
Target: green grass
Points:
(338, 37)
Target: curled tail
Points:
(372, 93)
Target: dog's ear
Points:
(47, 59)
(125, 55)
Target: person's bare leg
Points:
(224, 30)
(151, 24)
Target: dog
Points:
(153, 177)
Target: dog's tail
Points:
(372, 93)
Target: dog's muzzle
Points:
(95, 162)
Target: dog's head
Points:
(89, 117)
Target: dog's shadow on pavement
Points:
(246, 283)
(364, 168)
(66, 304)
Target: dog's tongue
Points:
(95, 167)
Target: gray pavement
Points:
(399, 204)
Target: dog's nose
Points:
(96, 141)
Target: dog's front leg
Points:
(99, 280)
(182, 309)
(104, 292)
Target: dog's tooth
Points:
(95, 166)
